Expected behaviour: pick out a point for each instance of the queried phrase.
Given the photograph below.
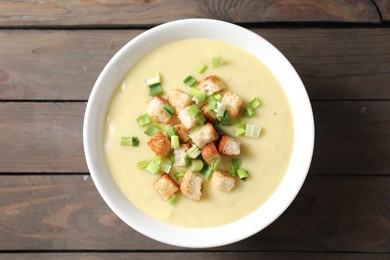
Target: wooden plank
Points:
(64, 65)
(130, 13)
(352, 137)
(384, 9)
(330, 214)
(196, 256)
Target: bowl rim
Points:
(195, 237)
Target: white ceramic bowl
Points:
(111, 76)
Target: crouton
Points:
(233, 104)
(160, 144)
(186, 119)
(211, 85)
(156, 110)
(166, 187)
(209, 115)
(179, 100)
(229, 145)
(210, 152)
(191, 186)
(180, 154)
(182, 132)
(222, 181)
(203, 135)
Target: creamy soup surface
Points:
(266, 158)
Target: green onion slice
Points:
(152, 130)
(155, 90)
(166, 165)
(171, 131)
(239, 127)
(196, 165)
(193, 152)
(201, 68)
(215, 164)
(233, 170)
(242, 173)
(208, 172)
(197, 95)
(169, 110)
(216, 61)
(217, 96)
(190, 81)
(154, 165)
(173, 199)
(193, 110)
(217, 127)
(252, 131)
(175, 141)
(153, 79)
(225, 120)
(236, 162)
(142, 164)
(127, 141)
(143, 120)
(254, 103)
(249, 112)
(179, 175)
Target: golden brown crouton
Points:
(166, 187)
(210, 152)
(203, 135)
(156, 110)
(160, 144)
(191, 186)
(222, 181)
(229, 145)
(209, 115)
(186, 119)
(180, 154)
(179, 100)
(211, 85)
(233, 104)
(182, 132)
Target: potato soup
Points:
(265, 158)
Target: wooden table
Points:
(51, 53)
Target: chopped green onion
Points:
(249, 112)
(175, 141)
(172, 157)
(193, 110)
(166, 166)
(143, 120)
(208, 172)
(196, 165)
(201, 68)
(188, 161)
(242, 173)
(233, 170)
(217, 96)
(126, 141)
(220, 110)
(169, 110)
(236, 162)
(215, 61)
(239, 127)
(179, 175)
(252, 131)
(189, 81)
(225, 119)
(200, 119)
(153, 79)
(254, 103)
(212, 103)
(152, 130)
(171, 131)
(134, 141)
(197, 95)
(142, 164)
(215, 164)
(155, 90)
(193, 152)
(154, 166)
(173, 199)
(217, 127)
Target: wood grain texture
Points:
(352, 137)
(196, 256)
(384, 9)
(150, 12)
(331, 213)
(64, 65)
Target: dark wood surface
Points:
(51, 53)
